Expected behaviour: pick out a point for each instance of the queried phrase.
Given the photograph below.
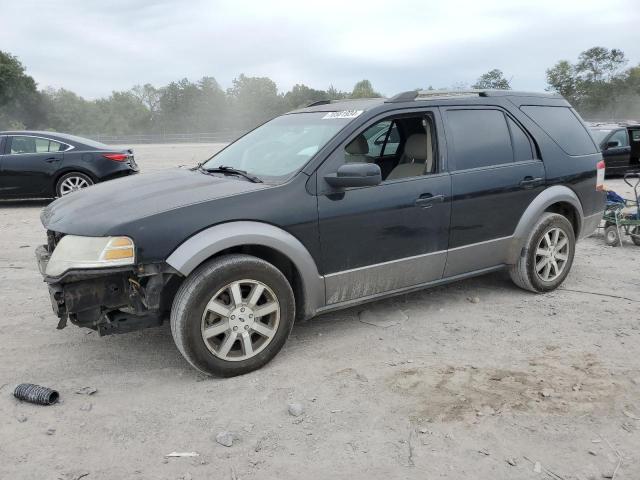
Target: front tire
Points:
(232, 315)
(547, 256)
(71, 182)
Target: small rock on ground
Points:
(295, 409)
(226, 438)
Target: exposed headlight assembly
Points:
(73, 252)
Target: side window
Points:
(522, 149)
(480, 138)
(42, 145)
(23, 145)
(562, 125)
(402, 147)
(620, 136)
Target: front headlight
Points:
(90, 252)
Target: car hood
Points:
(100, 209)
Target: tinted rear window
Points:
(480, 138)
(563, 127)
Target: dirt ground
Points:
(475, 380)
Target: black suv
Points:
(324, 208)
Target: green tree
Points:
(334, 94)
(364, 89)
(301, 95)
(600, 64)
(20, 102)
(561, 78)
(597, 84)
(254, 100)
(493, 79)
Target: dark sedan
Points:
(45, 164)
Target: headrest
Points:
(416, 146)
(358, 146)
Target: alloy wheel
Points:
(240, 320)
(552, 254)
(72, 184)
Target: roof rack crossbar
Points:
(430, 94)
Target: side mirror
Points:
(355, 175)
(613, 144)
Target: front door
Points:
(28, 164)
(394, 235)
(494, 177)
(616, 152)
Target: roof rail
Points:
(433, 94)
(319, 102)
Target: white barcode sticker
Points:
(342, 114)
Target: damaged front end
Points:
(109, 299)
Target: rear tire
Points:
(71, 182)
(612, 236)
(635, 239)
(547, 256)
(218, 318)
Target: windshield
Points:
(599, 135)
(280, 147)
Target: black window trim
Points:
(10, 138)
(577, 117)
(534, 146)
(440, 153)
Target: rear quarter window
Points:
(562, 125)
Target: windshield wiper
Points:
(231, 170)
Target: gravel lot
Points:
(473, 380)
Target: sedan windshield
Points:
(280, 147)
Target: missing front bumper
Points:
(116, 300)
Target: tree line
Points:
(598, 84)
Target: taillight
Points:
(600, 176)
(116, 157)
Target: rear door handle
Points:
(530, 181)
(426, 200)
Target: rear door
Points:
(28, 165)
(494, 177)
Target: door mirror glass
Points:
(355, 175)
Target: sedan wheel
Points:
(72, 182)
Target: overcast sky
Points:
(94, 47)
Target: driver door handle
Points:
(529, 181)
(52, 159)
(426, 200)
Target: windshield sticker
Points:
(342, 114)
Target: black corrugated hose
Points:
(36, 394)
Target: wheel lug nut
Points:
(235, 328)
(246, 327)
(233, 317)
(251, 315)
(242, 309)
